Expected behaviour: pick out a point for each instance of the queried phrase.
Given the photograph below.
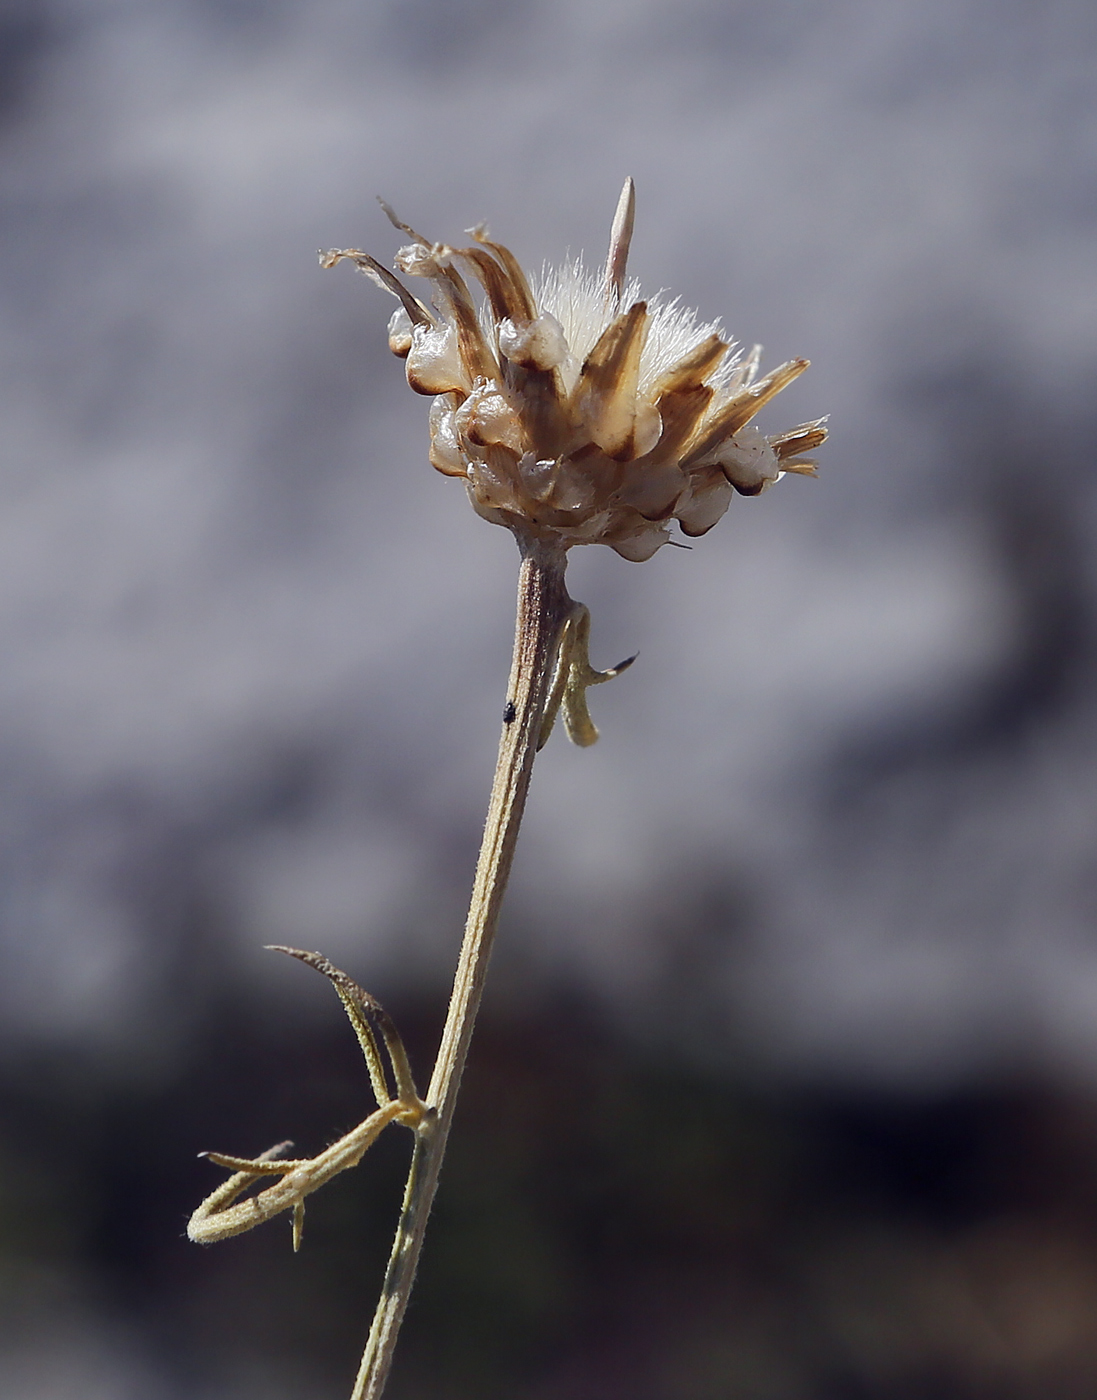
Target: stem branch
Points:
(543, 608)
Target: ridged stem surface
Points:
(543, 606)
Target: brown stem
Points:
(543, 607)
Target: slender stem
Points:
(543, 607)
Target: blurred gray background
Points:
(838, 836)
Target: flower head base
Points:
(576, 412)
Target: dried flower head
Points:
(577, 412)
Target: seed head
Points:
(576, 411)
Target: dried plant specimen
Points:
(576, 412)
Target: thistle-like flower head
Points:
(576, 411)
